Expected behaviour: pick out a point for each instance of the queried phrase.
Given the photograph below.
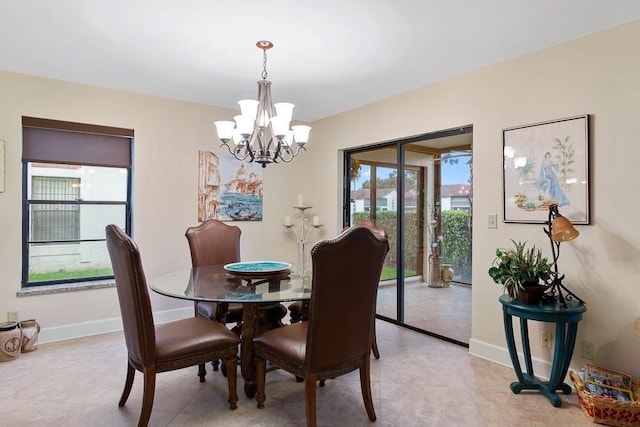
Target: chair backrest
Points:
(380, 233)
(133, 294)
(341, 316)
(213, 242)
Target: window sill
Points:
(65, 287)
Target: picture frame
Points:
(546, 163)
(228, 190)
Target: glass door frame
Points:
(399, 145)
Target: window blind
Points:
(55, 141)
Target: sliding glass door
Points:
(373, 196)
(403, 186)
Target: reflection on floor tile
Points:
(443, 311)
(419, 381)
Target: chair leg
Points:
(149, 390)
(215, 364)
(232, 381)
(310, 391)
(365, 386)
(131, 372)
(261, 371)
(202, 372)
(374, 343)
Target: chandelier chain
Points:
(264, 64)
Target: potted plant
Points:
(522, 271)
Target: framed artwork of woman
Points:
(547, 163)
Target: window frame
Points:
(96, 152)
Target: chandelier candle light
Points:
(302, 228)
(261, 132)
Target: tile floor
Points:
(419, 381)
(444, 311)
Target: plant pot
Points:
(531, 294)
(10, 341)
(447, 275)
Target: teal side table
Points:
(566, 320)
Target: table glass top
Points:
(213, 283)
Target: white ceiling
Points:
(330, 56)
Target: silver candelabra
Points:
(302, 227)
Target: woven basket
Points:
(602, 410)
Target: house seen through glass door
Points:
(426, 281)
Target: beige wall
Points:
(168, 135)
(596, 75)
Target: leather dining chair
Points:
(298, 311)
(166, 347)
(327, 346)
(214, 242)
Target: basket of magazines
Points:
(607, 396)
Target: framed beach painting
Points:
(544, 164)
(228, 189)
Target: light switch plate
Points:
(493, 221)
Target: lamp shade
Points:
(224, 129)
(280, 126)
(562, 230)
(284, 110)
(249, 108)
(244, 125)
(301, 133)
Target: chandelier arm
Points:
(280, 149)
(250, 153)
(260, 153)
(291, 153)
(297, 150)
(269, 147)
(284, 159)
(276, 151)
(235, 152)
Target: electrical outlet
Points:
(587, 351)
(546, 339)
(493, 221)
(12, 316)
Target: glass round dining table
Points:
(261, 296)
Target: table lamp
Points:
(559, 230)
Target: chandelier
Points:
(261, 132)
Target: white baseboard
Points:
(103, 326)
(491, 352)
(500, 355)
